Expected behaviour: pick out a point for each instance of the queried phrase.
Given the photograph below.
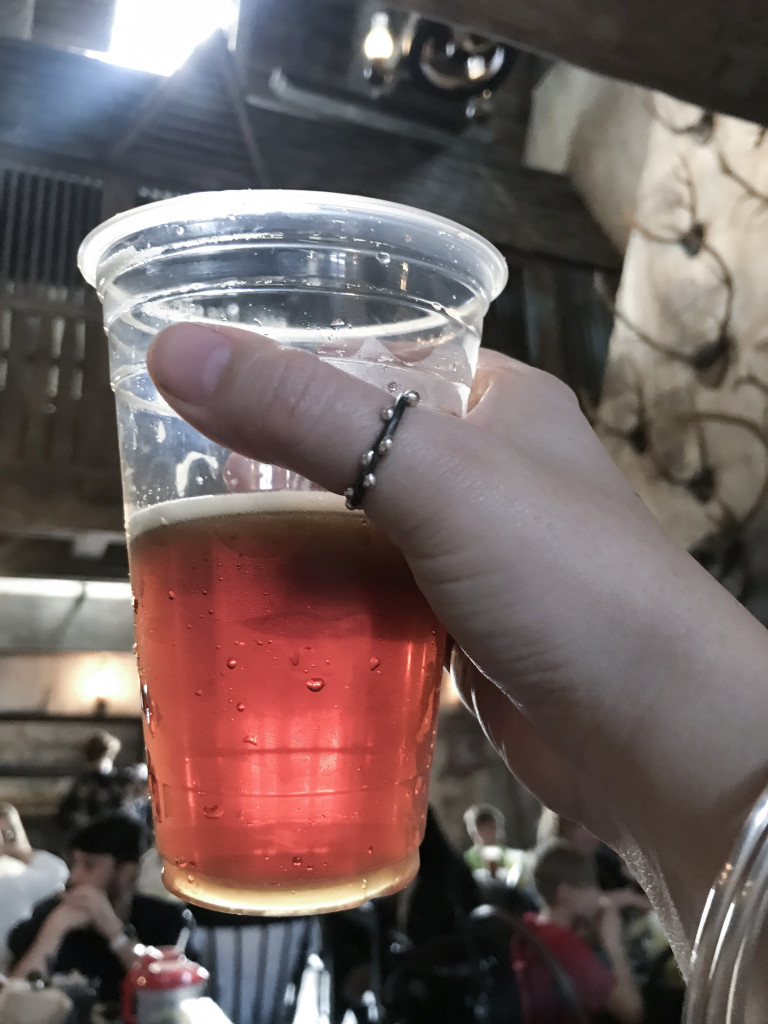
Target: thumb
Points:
(287, 407)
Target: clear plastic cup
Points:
(289, 667)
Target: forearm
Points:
(40, 953)
(625, 1000)
(683, 798)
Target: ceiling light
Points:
(379, 44)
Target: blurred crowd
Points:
(556, 934)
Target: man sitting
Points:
(574, 907)
(93, 927)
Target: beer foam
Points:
(208, 506)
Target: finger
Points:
(287, 407)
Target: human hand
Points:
(94, 905)
(629, 899)
(583, 627)
(66, 917)
(13, 836)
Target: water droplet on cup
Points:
(315, 685)
(198, 693)
(251, 740)
(374, 663)
(241, 707)
(190, 878)
(135, 605)
(364, 884)
(296, 861)
(370, 850)
(232, 663)
(294, 658)
(171, 595)
(383, 258)
(180, 230)
(338, 324)
(213, 811)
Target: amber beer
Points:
(289, 670)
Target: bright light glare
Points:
(379, 44)
(159, 35)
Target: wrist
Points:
(113, 930)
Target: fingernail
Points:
(187, 361)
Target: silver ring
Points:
(369, 460)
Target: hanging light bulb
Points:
(379, 44)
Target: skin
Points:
(13, 836)
(577, 907)
(616, 678)
(98, 896)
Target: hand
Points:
(13, 836)
(585, 633)
(94, 905)
(66, 918)
(629, 899)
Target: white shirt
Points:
(24, 885)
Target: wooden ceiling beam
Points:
(710, 52)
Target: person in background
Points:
(493, 863)
(94, 926)
(574, 909)
(485, 827)
(97, 790)
(26, 875)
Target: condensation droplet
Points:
(198, 693)
(241, 707)
(135, 605)
(294, 658)
(180, 230)
(383, 258)
(171, 595)
(232, 663)
(213, 811)
(315, 684)
(296, 861)
(250, 740)
(374, 663)
(370, 850)
(364, 884)
(180, 862)
(310, 867)
(338, 324)
(190, 878)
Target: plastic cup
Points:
(289, 667)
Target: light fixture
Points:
(457, 63)
(379, 43)
(159, 35)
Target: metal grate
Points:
(43, 219)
